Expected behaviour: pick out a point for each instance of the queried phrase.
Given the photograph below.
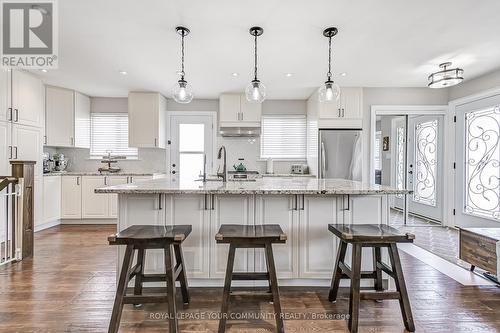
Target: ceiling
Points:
(390, 43)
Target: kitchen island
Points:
(302, 206)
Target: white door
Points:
(191, 143)
(27, 99)
(28, 145)
(71, 197)
(425, 166)
(94, 205)
(59, 117)
(477, 177)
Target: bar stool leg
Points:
(354, 297)
(179, 259)
(337, 272)
(404, 302)
(377, 257)
(227, 289)
(114, 323)
(274, 288)
(172, 310)
(141, 254)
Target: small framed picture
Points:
(385, 143)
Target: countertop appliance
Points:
(48, 163)
(299, 169)
(60, 162)
(340, 154)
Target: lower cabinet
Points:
(71, 197)
(51, 198)
(94, 205)
(113, 198)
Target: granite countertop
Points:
(268, 185)
(287, 175)
(96, 173)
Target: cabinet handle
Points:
(301, 201)
(78, 181)
(159, 202)
(155, 141)
(10, 152)
(17, 115)
(343, 113)
(339, 113)
(44, 139)
(9, 114)
(15, 149)
(72, 141)
(212, 203)
(131, 179)
(105, 180)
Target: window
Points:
(109, 133)
(283, 137)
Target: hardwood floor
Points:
(70, 286)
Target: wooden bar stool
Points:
(142, 238)
(374, 236)
(249, 236)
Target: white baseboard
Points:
(46, 225)
(88, 221)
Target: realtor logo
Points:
(29, 34)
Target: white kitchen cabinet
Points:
(230, 209)
(5, 95)
(190, 209)
(279, 209)
(59, 117)
(113, 198)
(236, 111)
(27, 99)
(317, 246)
(67, 114)
(27, 145)
(51, 198)
(346, 112)
(147, 120)
(71, 197)
(94, 205)
(5, 148)
(82, 120)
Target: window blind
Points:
(283, 137)
(109, 132)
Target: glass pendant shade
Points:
(182, 92)
(446, 77)
(329, 92)
(255, 92)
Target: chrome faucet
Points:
(222, 174)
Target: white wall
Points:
(482, 83)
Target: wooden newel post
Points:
(26, 170)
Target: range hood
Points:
(244, 132)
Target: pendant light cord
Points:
(182, 56)
(329, 74)
(255, 56)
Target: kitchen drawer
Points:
(478, 250)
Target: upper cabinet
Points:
(67, 116)
(27, 99)
(346, 112)
(147, 120)
(236, 111)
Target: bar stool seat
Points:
(375, 236)
(141, 238)
(251, 236)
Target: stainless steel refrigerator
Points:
(340, 154)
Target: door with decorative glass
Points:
(191, 146)
(425, 166)
(477, 177)
(398, 156)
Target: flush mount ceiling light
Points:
(123, 72)
(446, 77)
(181, 91)
(330, 91)
(235, 74)
(255, 91)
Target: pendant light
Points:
(446, 77)
(181, 91)
(330, 91)
(255, 91)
